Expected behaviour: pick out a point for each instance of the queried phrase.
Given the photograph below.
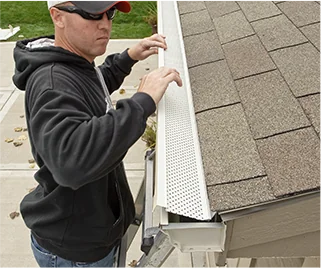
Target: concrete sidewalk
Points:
(16, 173)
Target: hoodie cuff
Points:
(146, 102)
(126, 59)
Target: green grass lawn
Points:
(34, 20)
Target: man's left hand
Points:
(147, 47)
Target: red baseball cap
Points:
(96, 7)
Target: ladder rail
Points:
(147, 235)
(143, 214)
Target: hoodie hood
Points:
(30, 54)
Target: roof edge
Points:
(229, 215)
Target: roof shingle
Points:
(220, 8)
(312, 32)
(196, 22)
(240, 194)
(228, 148)
(269, 105)
(292, 161)
(232, 26)
(278, 32)
(208, 51)
(213, 86)
(301, 12)
(311, 106)
(300, 66)
(255, 10)
(247, 57)
(190, 6)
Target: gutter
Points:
(181, 186)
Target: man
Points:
(82, 206)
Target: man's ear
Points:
(57, 17)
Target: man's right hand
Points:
(156, 82)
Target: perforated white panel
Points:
(181, 185)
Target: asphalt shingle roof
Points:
(196, 52)
(254, 69)
(247, 57)
(232, 26)
(312, 32)
(278, 32)
(207, 82)
(228, 149)
(269, 105)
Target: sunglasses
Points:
(88, 16)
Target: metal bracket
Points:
(197, 236)
(158, 253)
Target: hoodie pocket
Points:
(117, 207)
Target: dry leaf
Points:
(14, 214)
(132, 263)
(22, 116)
(25, 129)
(122, 91)
(32, 166)
(8, 140)
(17, 143)
(18, 129)
(22, 138)
(31, 161)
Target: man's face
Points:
(87, 38)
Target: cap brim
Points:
(123, 6)
(97, 7)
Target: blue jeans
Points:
(45, 258)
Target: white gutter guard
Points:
(181, 187)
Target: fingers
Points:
(150, 52)
(169, 75)
(155, 40)
(166, 71)
(153, 44)
(156, 82)
(173, 75)
(147, 47)
(157, 34)
(158, 37)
